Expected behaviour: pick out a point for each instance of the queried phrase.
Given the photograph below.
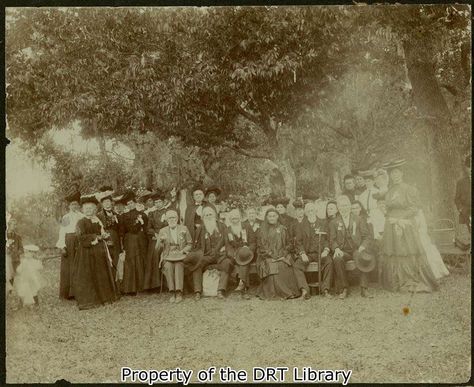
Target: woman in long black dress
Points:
(404, 265)
(274, 260)
(133, 229)
(93, 281)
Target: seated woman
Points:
(93, 281)
(175, 242)
(274, 260)
(404, 265)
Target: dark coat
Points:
(463, 199)
(211, 245)
(234, 242)
(306, 237)
(191, 219)
(348, 240)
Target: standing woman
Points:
(67, 244)
(274, 260)
(404, 265)
(134, 242)
(93, 281)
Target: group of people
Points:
(121, 245)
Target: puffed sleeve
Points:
(83, 237)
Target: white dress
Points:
(28, 279)
(434, 257)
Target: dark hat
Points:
(310, 198)
(118, 199)
(244, 256)
(370, 173)
(144, 195)
(158, 194)
(106, 192)
(364, 261)
(73, 196)
(127, 196)
(298, 204)
(197, 187)
(89, 199)
(394, 164)
(213, 189)
(106, 188)
(279, 200)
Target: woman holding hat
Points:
(404, 265)
(67, 244)
(94, 283)
(274, 260)
(134, 242)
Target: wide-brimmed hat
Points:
(89, 199)
(279, 200)
(175, 256)
(244, 256)
(157, 194)
(127, 196)
(213, 189)
(394, 164)
(73, 196)
(368, 173)
(364, 261)
(298, 204)
(144, 195)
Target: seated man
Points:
(240, 247)
(208, 249)
(348, 234)
(311, 240)
(175, 242)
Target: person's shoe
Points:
(343, 295)
(304, 295)
(240, 287)
(197, 296)
(220, 295)
(327, 294)
(179, 297)
(364, 292)
(172, 299)
(244, 295)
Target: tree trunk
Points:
(337, 184)
(432, 106)
(289, 176)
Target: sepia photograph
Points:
(238, 194)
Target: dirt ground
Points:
(372, 337)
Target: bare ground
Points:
(372, 337)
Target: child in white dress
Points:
(28, 279)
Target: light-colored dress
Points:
(28, 279)
(434, 257)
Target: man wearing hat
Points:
(174, 240)
(311, 240)
(240, 246)
(67, 243)
(348, 236)
(192, 216)
(463, 195)
(110, 221)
